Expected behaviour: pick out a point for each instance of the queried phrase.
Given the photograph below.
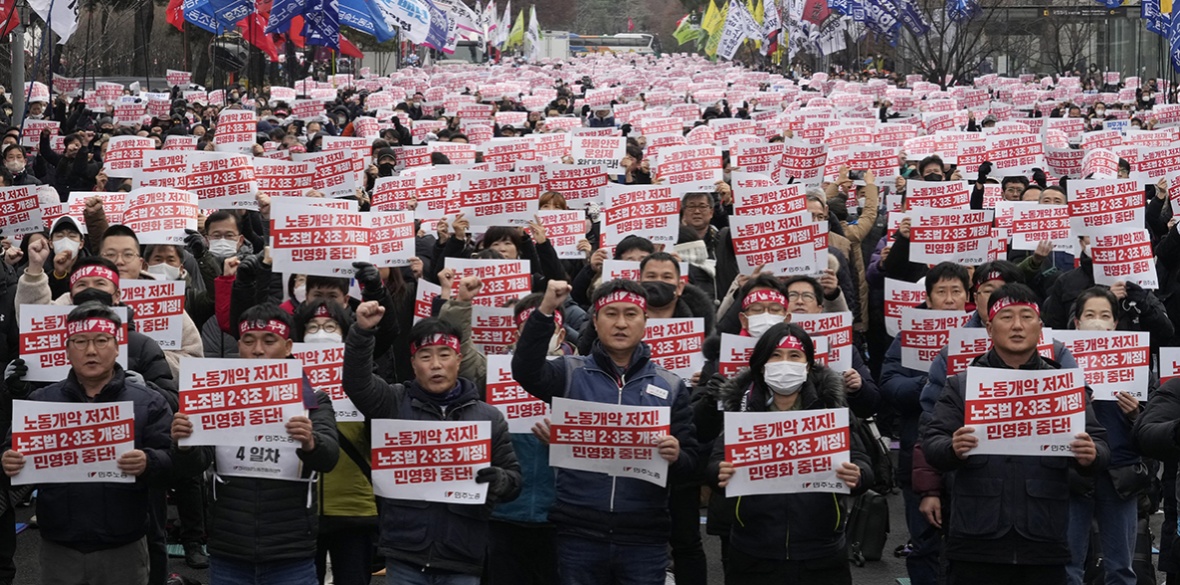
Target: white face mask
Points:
(300, 293)
(323, 337)
(223, 248)
(756, 325)
(784, 378)
(65, 244)
(165, 271)
(14, 166)
(1095, 325)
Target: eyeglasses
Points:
(330, 327)
(698, 207)
(800, 296)
(100, 342)
(126, 256)
(223, 235)
(774, 309)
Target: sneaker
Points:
(194, 556)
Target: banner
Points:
(323, 365)
(735, 353)
(784, 200)
(1097, 206)
(784, 244)
(43, 341)
(651, 210)
(1024, 412)
(898, 295)
(161, 216)
(924, 332)
(278, 178)
(493, 329)
(430, 461)
(606, 438)
(606, 152)
(498, 199)
(837, 328)
(521, 409)
(1033, 223)
(158, 306)
(693, 167)
(1124, 257)
(125, 154)
(237, 130)
(220, 180)
(20, 211)
(1113, 361)
(334, 174)
(676, 344)
(950, 235)
(787, 452)
(240, 402)
(65, 442)
(310, 239)
(564, 229)
(503, 281)
(938, 194)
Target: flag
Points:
(739, 23)
(350, 50)
(630, 24)
(686, 31)
(771, 26)
(360, 15)
(1174, 41)
(410, 17)
(505, 27)
(816, 11)
(713, 19)
(229, 12)
(175, 14)
(516, 37)
(200, 13)
(533, 34)
(63, 21)
(254, 31)
(488, 20)
(11, 17)
(321, 23)
(715, 33)
(961, 10)
(281, 13)
(460, 15)
(913, 18)
(436, 36)
(1154, 19)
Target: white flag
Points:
(410, 16)
(505, 26)
(533, 34)
(64, 19)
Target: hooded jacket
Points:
(790, 526)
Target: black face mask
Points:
(659, 294)
(94, 294)
(385, 170)
(932, 177)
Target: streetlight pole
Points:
(17, 45)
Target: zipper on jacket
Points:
(622, 381)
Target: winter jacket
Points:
(596, 505)
(693, 302)
(89, 517)
(449, 537)
(1142, 310)
(790, 526)
(1005, 508)
(902, 388)
(256, 520)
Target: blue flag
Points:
(1174, 42)
(322, 23)
(961, 10)
(1154, 20)
(879, 18)
(229, 12)
(913, 18)
(436, 38)
(281, 13)
(200, 13)
(362, 16)
(840, 7)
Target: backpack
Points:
(877, 448)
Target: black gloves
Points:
(497, 480)
(985, 168)
(249, 268)
(13, 373)
(196, 243)
(368, 278)
(1039, 178)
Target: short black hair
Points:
(1014, 179)
(932, 160)
(1005, 270)
(659, 257)
(762, 280)
(694, 195)
(815, 285)
(118, 230)
(764, 350)
(530, 301)
(94, 310)
(618, 284)
(947, 271)
(1015, 292)
(1095, 292)
(14, 147)
(264, 312)
(432, 326)
(306, 312)
(223, 215)
(634, 243)
(340, 284)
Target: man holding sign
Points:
(438, 534)
(609, 525)
(93, 531)
(1009, 514)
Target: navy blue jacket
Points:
(596, 505)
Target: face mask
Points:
(385, 170)
(554, 344)
(165, 271)
(785, 378)
(223, 248)
(15, 167)
(94, 294)
(756, 325)
(1099, 112)
(300, 293)
(659, 294)
(323, 337)
(932, 177)
(1095, 325)
(66, 244)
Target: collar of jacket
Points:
(73, 386)
(468, 394)
(640, 357)
(993, 360)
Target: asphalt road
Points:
(884, 572)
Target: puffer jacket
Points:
(1004, 508)
(88, 517)
(448, 537)
(257, 520)
(790, 526)
(596, 505)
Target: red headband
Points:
(993, 275)
(791, 342)
(93, 325)
(764, 296)
(621, 296)
(321, 311)
(524, 316)
(1006, 303)
(442, 339)
(94, 270)
(270, 326)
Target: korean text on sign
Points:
(434, 461)
(612, 439)
(236, 402)
(786, 452)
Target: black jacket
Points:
(450, 537)
(90, 517)
(693, 302)
(790, 526)
(1142, 310)
(264, 520)
(1004, 509)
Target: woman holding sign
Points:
(788, 537)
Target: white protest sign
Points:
(158, 306)
(72, 442)
(785, 244)
(735, 353)
(1113, 361)
(616, 440)
(221, 180)
(689, 167)
(161, 216)
(1125, 256)
(391, 237)
(323, 364)
(493, 329)
(968, 343)
(279, 178)
(240, 402)
(1098, 204)
(900, 294)
(676, 344)
(309, 239)
(503, 280)
(20, 210)
(236, 130)
(564, 229)
(334, 175)
(43, 341)
(498, 199)
(837, 328)
(521, 409)
(651, 210)
(949, 235)
(924, 332)
(432, 461)
(787, 452)
(1024, 412)
(938, 194)
(124, 154)
(1033, 223)
(604, 151)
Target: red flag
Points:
(816, 11)
(295, 32)
(348, 49)
(630, 24)
(254, 31)
(9, 15)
